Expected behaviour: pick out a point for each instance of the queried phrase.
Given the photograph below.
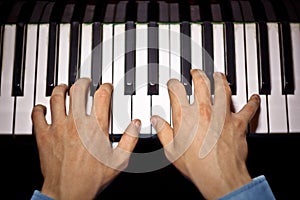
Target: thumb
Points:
(163, 129)
(248, 111)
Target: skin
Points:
(223, 169)
(71, 172)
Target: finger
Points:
(130, 136)
(78, 97)
(163, 130)
(222, 98)
(249, 110)
(38, 119)
(101, 107)
(58, 103)
(178, 99)
(202, 88)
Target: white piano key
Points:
(23, 124)
(86, 58)
(121, 104)
(196, 46)
(218, 40)
(293, 100)
(175, 51)
(107, 58)
(161, 102)
(63, 57)
(196, 51)
(63, 54)
(260, 124)
(6, 100)
(41, 78)
(276, 101)
(240, 99)
(107, 52)
(141, 100)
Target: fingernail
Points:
(153, 121)
(256, 97)
(219, 74)
(137, 124)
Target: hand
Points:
(70, 169)
(207, 142)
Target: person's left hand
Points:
(70, 171)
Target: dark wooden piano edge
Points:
(274, 155)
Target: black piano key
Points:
(130, 38)
(185, 58)
(292, 12)
(153, 58)
(262, 42)
(208, 53)
(20, 49)
(120, 15)
(229, 38)
(264, 79)
(143, 12)
(37, 12)
(109, 13)
(47, 13)
(288, 86)
(236, 11)
(207, 41)
(19, 62)
(96, 57)
(216, 12)
(55, 17)
(130, 58)
(163, 11)
(287, 71)
(15, 11)
(74, 62)
(1, 50)
(89, 13)
(195, 13)
(296, 4)
(52, 57)
(269, 11)
(230, 65)
(75, 42)
(247, 11)
(153, 73)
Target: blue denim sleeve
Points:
(257, 189)
(39, 196)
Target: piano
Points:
(137, 46)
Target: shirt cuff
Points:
(37, 195)
(257, 189)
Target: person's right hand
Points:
(207, 142)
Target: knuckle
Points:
(57, 98)
(205, 111)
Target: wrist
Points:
(222, 184)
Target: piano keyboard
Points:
(139, 45)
